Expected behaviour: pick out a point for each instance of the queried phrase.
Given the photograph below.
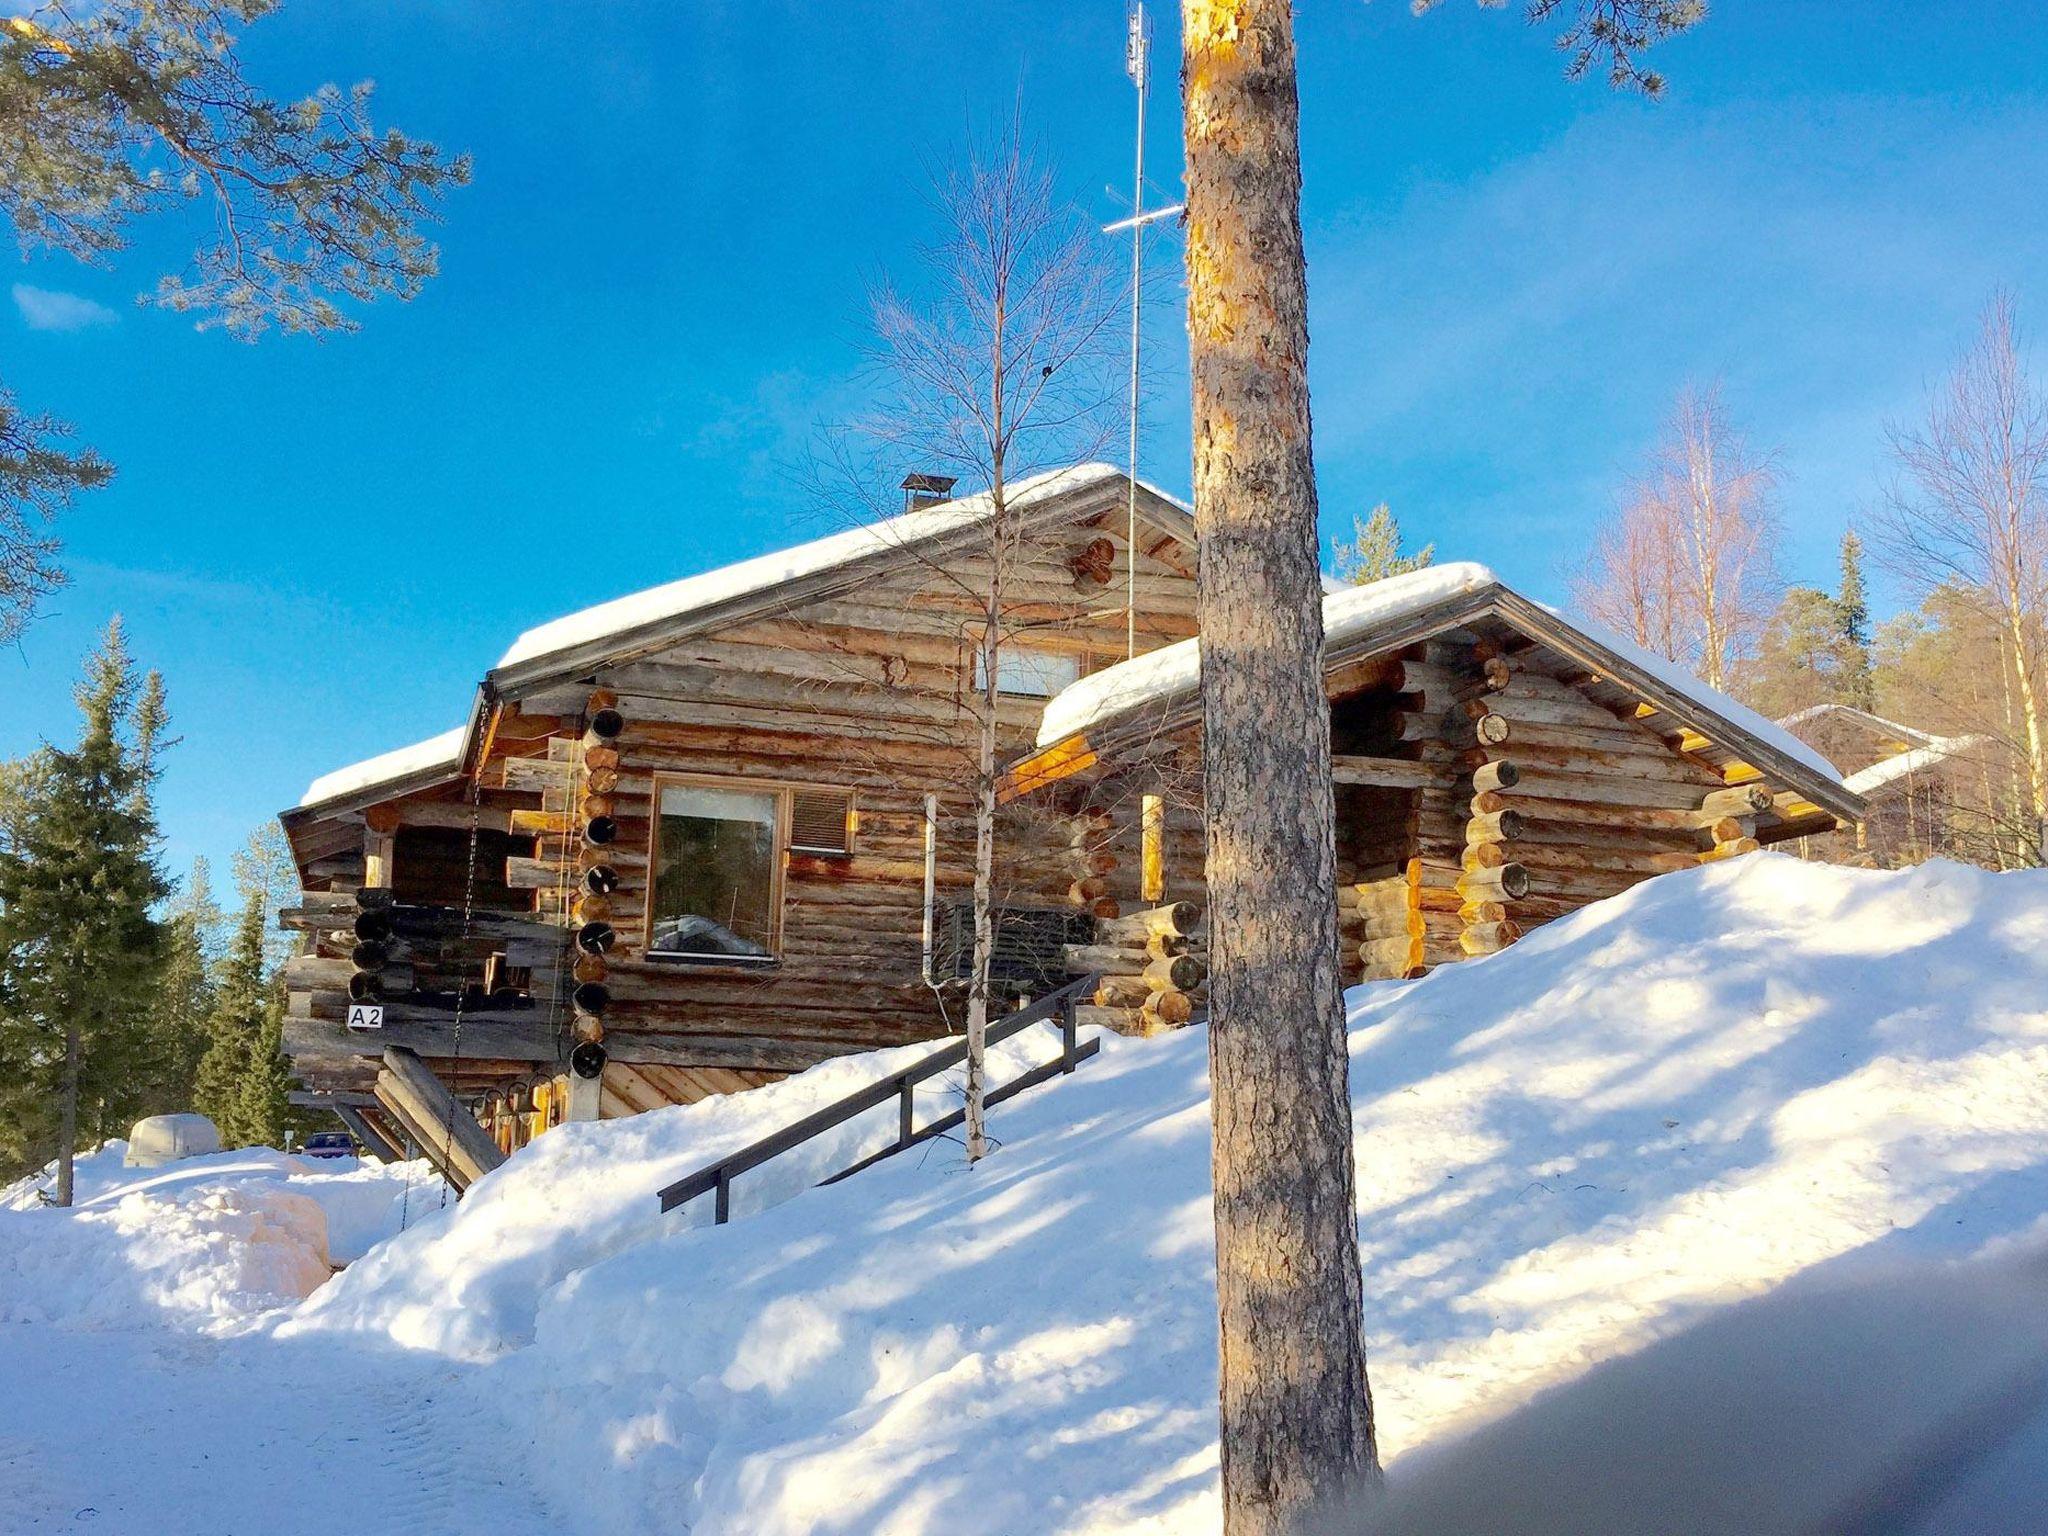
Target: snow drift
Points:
(1666, 1102)
(469, 1281)
(209, 1243)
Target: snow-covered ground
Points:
(1669, 1102)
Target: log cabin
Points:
(1494, 767)
(696, 839)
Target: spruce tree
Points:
(264, 1101)
(81, 955)
(185, 1010)
(1854, 682)
(1374, 552)
(222, 1091)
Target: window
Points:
(716, 873)
(717, 863)
(1031, 674)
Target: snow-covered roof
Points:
(1176, 669)
(678, 599)
(1904, 765)
(1862, 717)
(442, 753)
(1356, 614)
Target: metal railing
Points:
(900, 1086)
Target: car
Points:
(329, 1144)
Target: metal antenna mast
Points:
(1138, 65)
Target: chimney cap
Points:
(930, 485)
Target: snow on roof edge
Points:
(1901, 765)
(761, 572)
(1177, 668)
(1356, 610)
(443, 751)
(1863, 717)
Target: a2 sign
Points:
(365, 1016)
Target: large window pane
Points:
(714, 877)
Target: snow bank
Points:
(209, 1242)
(469, 1282)
(1666, 1102)
(212, 1256)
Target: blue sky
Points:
(655, 290)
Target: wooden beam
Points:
(453, 813)
(451, 1132)
(1049, 765)
(372, 1138)
(1386, 772)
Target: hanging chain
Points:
(476, 792)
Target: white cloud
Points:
(48, 309)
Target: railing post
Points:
(1067, 1061)
(722, 1199)
(905, 1101)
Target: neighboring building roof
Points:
(1905, 765)
(1862, 717)
(1401, 609)
(433, 760)
(677, 600)
(1932, 753)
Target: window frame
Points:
(783, 792)
(1012, 645)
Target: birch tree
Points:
(1294, 1404)
(1970, 505)
(1002, 363)
(1685, 567)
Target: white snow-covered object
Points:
(436, 757)
(1354, 618)
(1887, 771)
(161, 1139)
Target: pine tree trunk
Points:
(1296, 1411)
(67, 1124)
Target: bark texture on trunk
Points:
(1296, 1411)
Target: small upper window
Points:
(1030, 673)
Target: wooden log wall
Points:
(1572, 803)
(861, 692)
